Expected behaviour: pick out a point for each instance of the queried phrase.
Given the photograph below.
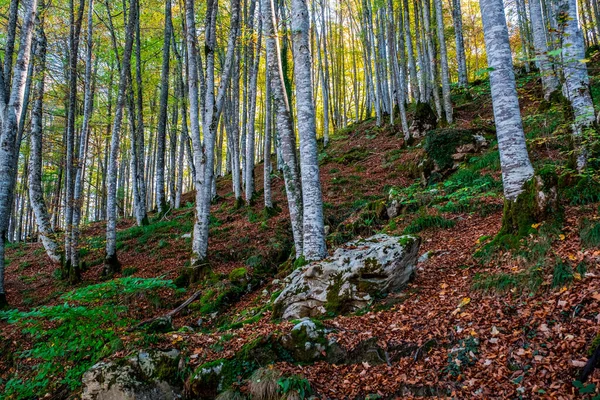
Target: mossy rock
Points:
(239, 276)
(442, 144)
(424, 119)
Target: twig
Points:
(169, 314)
(590, 365)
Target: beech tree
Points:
(517, 170)
(9, 111)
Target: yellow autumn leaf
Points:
(561, 236)
(535, 226)
(577, 276)
(444, 285)
(464, 302)
(572, 257)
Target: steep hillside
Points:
(514, 318)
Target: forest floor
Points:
(517, 323)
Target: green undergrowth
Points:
(539, 265)
(428, 221)
(67, 339)
(461, 192)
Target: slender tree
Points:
(576, 81)
(85, 127)
(314, 247)
(36, 193)
(517, 170)
(161, 201)
(287, 139)
(111, 262)
(9, 112)
(549, 78)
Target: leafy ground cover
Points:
(513, 320)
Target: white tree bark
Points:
(267, 151)
(87, 112)
(314, 246)
(576, 81)
(516, 167)
(254, 59)
(412, 67)
(287, 139)
(439, 16)
(549, 79)
(9, 112)
(111, 263)
(36, 193)
(461, 59)
(162, 116)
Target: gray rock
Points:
(148, 376)
(307, 342)
(349, 280)
(394, 209)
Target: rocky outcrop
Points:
(357, 273)
(151, 375)
(424, 119)
(446, 148)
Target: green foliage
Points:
(117, 287)
(356, 154)
(462, 356)
(461, 192)
(129, 271)
(562, 275)
(586, 191)
(441, 144)
(530, 279)
(238, 275)
(428, 221)
(295, 383)
(68, 339)
(590, 234)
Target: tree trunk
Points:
(111, 262)
(85, 127)
(549, 79)
(314, 247)
(516, 167)
(9, 112)
(36, 193)
(284, 124)
(443, 61)
(162, 113)
(461, 59)
(576, 81)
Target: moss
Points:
(336, 301)
(594, 345)
(424, 116)
(238, 275)
(520, 214)
(352, 156)
(166, 368)
(441, 144)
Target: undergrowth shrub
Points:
(428, 221)
(67, 339)
(590, 234)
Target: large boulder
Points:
(446, 148)
(150, 375)
(357, 273)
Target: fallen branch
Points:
(170, 314)
(591, 365)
